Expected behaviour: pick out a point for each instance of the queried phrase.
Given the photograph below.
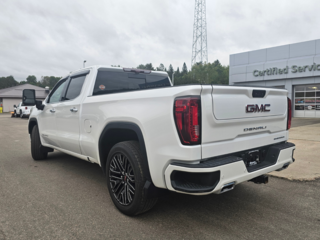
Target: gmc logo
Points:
(255, 108)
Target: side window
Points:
(74, 87)
(56, 94)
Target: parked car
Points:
(149, 136)
(21, 110)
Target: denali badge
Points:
(254, 128)
(255, 108)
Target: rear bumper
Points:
(26, 113)
(218, 172)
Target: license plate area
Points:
(256, 159)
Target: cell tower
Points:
(199, 45)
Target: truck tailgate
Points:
(238, 103)
(234, 116)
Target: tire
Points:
(36, 152)
(21, 115)
(126, 185)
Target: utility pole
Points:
(199, 44)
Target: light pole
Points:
(84, 63)
(172, 78)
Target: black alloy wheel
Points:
(121, 177)
(127, 174)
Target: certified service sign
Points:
(294, 69)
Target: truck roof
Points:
(113, 69)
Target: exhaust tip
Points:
(228, 187)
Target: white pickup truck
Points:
(149, 136)
(21, 110)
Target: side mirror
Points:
(14, 106)
(29, 97)
(39, 105)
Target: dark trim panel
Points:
(32, 122)
(194, 182)
(123, 126)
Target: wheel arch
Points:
(32, 123)
(116, 132)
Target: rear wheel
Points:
(126, 177)
(36, 152)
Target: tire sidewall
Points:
(35, 144)
(138, 175)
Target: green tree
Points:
(148, 66)
(161, 67)
(208, 73)
(31, 79)
(47, 81)
(6, 82)
(184, 69)
(177, 73)
(170, 71)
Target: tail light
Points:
(289, 114)
(26, 108)
(187, 114)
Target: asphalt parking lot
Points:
(66, 198)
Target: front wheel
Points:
(126, 177)
(36, 152)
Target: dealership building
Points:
(295, 67)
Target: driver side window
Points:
(56, 94)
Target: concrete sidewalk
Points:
(305, 133)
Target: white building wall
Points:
(9, 102)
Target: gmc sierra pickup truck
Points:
(149, 136)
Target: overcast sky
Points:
(44, 38)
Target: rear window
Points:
(116, 81)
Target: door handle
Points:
(52, 110)
(74, 110)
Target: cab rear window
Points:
(117, 81)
